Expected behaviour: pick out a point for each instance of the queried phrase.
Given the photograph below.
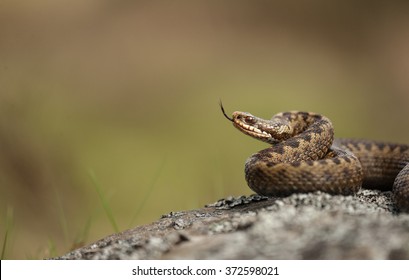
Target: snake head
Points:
(251, 125)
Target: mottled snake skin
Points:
(304, 157)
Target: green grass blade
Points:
(61, 213)
(83, 235)
(9, 222)
(52, 248)
(104, 202)
(149, 192)
(3, 250)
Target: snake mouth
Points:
(251, 130)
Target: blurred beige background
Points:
(129, 91)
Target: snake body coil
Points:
(304, 157)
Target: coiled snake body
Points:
(304, 157)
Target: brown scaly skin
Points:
(304, 157)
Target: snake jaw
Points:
(252, 129)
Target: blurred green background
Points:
(121, 98)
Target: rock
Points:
(300, 226)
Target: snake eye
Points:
(249, 120)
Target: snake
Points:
(304, 156)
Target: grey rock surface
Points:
(301, 226)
